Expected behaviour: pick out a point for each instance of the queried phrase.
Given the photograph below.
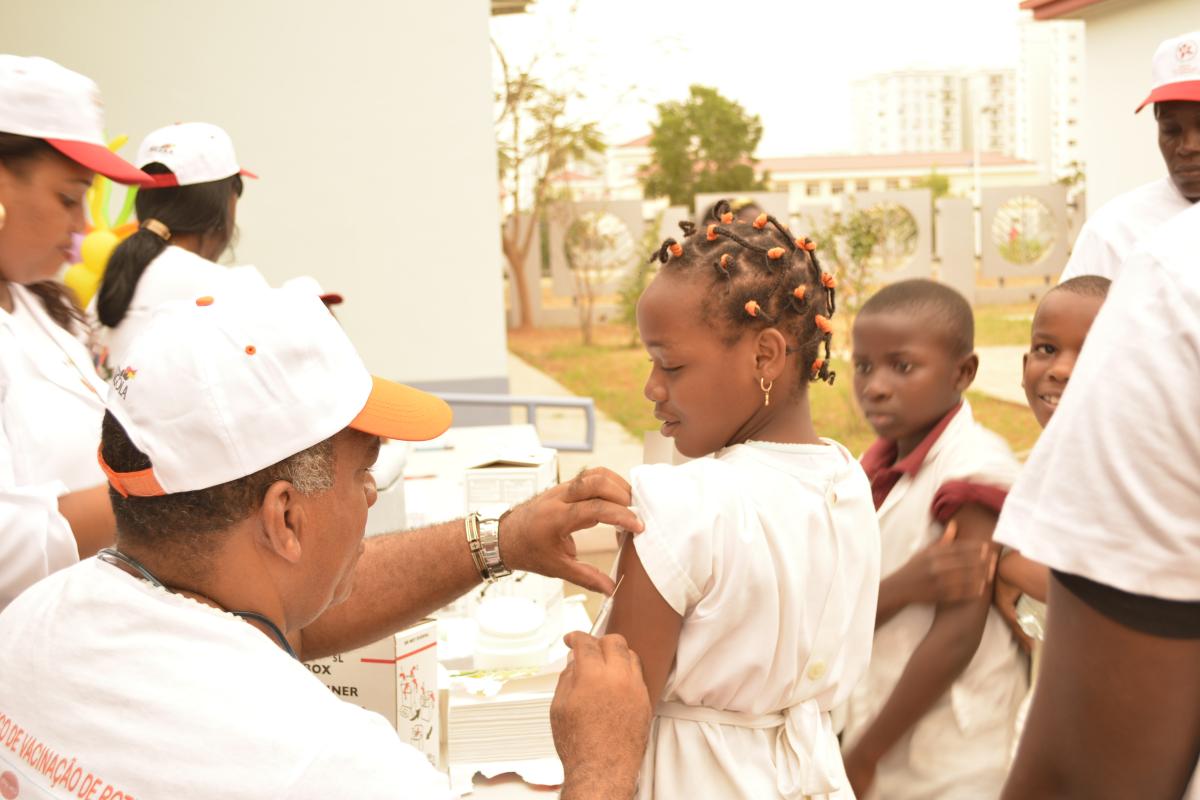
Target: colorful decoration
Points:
(103, 234)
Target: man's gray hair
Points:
(189, 520)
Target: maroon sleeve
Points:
(953, 495)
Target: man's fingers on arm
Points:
(589, 513)
(582, 645)
(600, 482)
(950, 533)
(583, 574)
(615, 647)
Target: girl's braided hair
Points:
(761, 276)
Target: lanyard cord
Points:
(110, 555)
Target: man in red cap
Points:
(1116, 229)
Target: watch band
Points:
(489, 539)
(471, 526)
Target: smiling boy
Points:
(933, 718)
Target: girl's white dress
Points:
(770, 553)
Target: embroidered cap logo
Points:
(121, 379)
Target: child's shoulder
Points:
(975, 451)
(703, 488)
(699, 476)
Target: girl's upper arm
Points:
(647, 621)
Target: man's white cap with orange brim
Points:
(220, 387)
(43, 100)
(1176, 71)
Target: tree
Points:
(846, 246)
(858, 246)
(597, 246)
(939, 187)
(535, 140)
(703, 144)
(937, 184)
(639, 277)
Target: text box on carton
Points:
(395, 677)
(496, 484)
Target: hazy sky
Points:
(789, 61)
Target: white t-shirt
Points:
(1111, 492)
(110, 681)
(960, 749)
(50, 412)
(176, 274)
(770, 553)
(1112, 489)
(1120, 225)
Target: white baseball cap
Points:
(220, 387)
(1176, 70)
(195, 152)
(43, 100)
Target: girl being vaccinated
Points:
(750, 597)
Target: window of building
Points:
(837, 187)
(812, 188)
(893, 184)
(860, 186)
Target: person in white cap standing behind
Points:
(188, 217)
(239, 444)
(53, 503)
(1117, 228)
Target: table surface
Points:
(433, 489)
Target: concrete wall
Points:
(1121, 149)
(370, 123)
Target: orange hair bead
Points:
(760, 221)
(776, 252)
(676, 249)
(725, 261)
(752, 308)
(727, 217)
(799, 292)
(712, 233)
(823, 323)
(820, 362)
(828, 281)
(809, 244)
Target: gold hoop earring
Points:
(3, 214)
(766, 385)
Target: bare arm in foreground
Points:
(404, 576)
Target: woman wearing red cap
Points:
(53, 500)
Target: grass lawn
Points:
(999, 325)
(613, 373)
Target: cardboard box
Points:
(495, 485)
(395, 677)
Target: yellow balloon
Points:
(83, 282)
(96, 248)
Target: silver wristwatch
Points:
(489, 539)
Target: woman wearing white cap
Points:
(53, 499)
(187, 218)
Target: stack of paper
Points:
(513, 725)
